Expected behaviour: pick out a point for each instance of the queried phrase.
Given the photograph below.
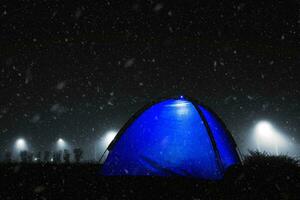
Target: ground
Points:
(261, 177)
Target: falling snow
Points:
(69, 67)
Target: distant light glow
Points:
(268, 138)
(181, 97)
(60, 140)
(102, 144)
(61, 144)
(21, 144)
(265, 131)
(108, 138)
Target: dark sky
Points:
(76, 70)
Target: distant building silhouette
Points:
(24, 156)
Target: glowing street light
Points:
(265, 131)
(61, 144)
(21, 145)
(267, 135)
(109, 137)
(103, 143)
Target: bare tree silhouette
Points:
(78, 153)
(66, 156)
(29, 157)
(57, 156)
(46, 156)
(23, 156)
(38, 156)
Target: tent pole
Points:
(211, 137)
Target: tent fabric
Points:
(175, 137)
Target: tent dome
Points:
(172, 137)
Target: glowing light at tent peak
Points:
(182, 106)
(179, 103)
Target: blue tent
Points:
(173, 137)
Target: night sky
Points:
(77, 70)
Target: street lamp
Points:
(267, 135)
(61, 144)
(104, 142)
(109, 137)
(21, 145)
